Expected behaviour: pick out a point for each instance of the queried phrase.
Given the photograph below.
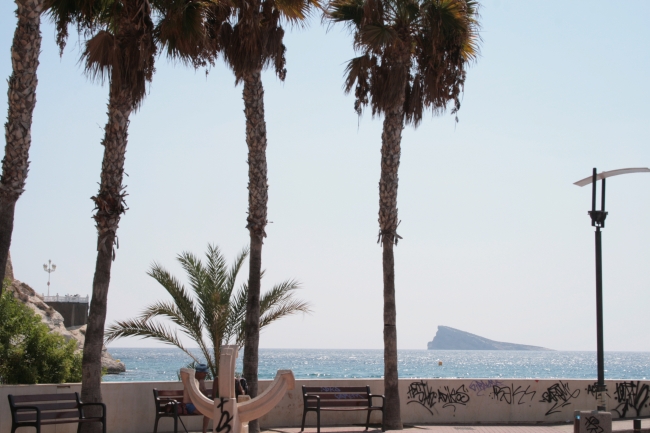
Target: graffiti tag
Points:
(593, 425)
(421, 393)
(478, 386)
(512, 395)
(225, 419)
(560, 395)
(631, 395)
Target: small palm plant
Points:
(212, 313)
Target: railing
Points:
(67, 298)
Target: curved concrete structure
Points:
(225, 412)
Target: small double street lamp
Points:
(598, 221)
(49, 268)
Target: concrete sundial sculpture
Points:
(229, 415)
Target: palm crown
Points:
(249, 34)
(413, 52)
(212, 312)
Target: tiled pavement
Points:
(624, 426)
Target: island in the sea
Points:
(454, 339)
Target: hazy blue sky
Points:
(496, 238)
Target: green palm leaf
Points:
(211, 313)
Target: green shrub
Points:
(29, 353)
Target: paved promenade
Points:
(624, 426)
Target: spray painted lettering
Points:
(631, 396)
(421, 393)
(479, 386)
(593, 425)
(225, 420)
(512, 395)
(560, 395)
(424, 395)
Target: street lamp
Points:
(49, 268)
(598, 221)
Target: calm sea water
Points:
(163, 364)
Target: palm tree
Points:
(25, 50)
(212, 314)
(250, 36)
(122, 46)
(121, 49)
(414, 54)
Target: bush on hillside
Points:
(29, 353)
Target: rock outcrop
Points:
(453, 339)
(55, 322)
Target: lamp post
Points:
(49, 268)
(598, 221)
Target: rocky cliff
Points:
(55, 322)
(453, 339)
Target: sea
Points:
(163, 364)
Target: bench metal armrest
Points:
(15, 409)
(307, 397)
(371, 396)
(82, 405)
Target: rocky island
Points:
(454, 339)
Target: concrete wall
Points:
(74, 313)
(423, 401)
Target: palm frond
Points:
(278, 303)
(100, 56)
(236, 266)
(377, 37)
(145, 329)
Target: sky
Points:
(496, 238)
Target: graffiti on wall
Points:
(480, 386)
(513, 395)
(426, 396)
(627, 398)
(560, 395)
(631, 396)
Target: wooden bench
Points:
(340, 398)
(162, 397)
(43, 409)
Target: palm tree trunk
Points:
(25, 50)
(109, 205)
(257, 202)
(390, 155)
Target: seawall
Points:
(130, 406)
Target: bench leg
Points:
(368, 420)
(318, 421)
(175, 424)
(155, 424)
(304, 414)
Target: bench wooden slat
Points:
(334, 389)
(340, 396)
(67, 421)
(343, 403)
(31, 416)
(43, 397)
(52, 406)
(170, 392)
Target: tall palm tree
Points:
(414, 54)
(121, 48)
(249, 34)
(25, 50)
(213, 314)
